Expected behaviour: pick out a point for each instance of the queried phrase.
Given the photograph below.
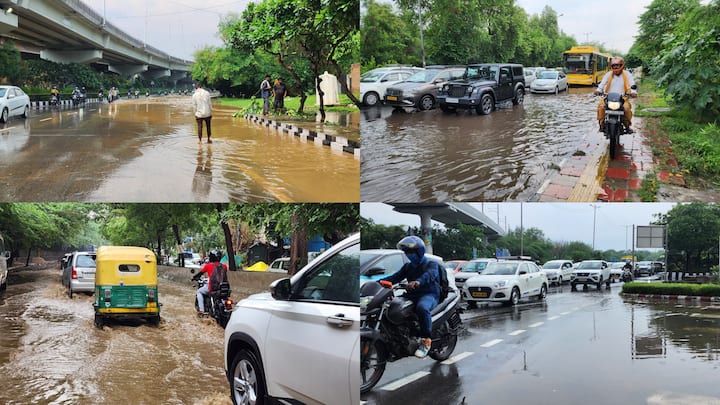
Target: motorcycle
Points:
(53, 100)
(614, 114)
(218, 304)
(389, 329)
(627, 275)
(75, 99)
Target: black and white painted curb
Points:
(334, 142)
(673, 297)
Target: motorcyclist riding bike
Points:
(618, 80)
(55, 93)
(423, 287)
(208, 268)
(76, 95)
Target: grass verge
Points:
(700, 290)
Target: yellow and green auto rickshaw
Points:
(126, 284)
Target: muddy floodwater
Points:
(507, 155)
(147, 150)
(51, 353)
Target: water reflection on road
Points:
(507, 155)
(147, 150)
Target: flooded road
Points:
(584, 347)
(507, 155)
(147, 150)
(51, 353)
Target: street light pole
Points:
(595, 207)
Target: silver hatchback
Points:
(79, 273)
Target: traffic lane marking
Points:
(491, 343)
(517, 332)
(457, 358)
(405, 380)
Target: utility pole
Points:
(587, 37)
(595, 207)
(522, 242)
(422, 40)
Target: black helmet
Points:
(214, 255)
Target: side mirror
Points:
(376, 271)
(280, 289)
(523, 272)
(634, 87)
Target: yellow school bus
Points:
(585, 65)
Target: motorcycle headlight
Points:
(364, 301)
(614, 105)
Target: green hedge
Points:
(704, 290)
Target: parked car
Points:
(13, 102)
(378, 263)
(79, 273)
(549, 81)
(279, 265)
(484, 86)
(506, 281)
(374, 82)
(471, 269)
(421, 89)
(300, 342)
(558, 271)
(529, 76)
(591, 272)
(455, 265)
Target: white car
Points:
(616, 270)
(374, 83)
(591, 272)
(558, 271)
(300, 343)
(279, 265)
(549, 81)
(471, 269)
(13, 102)
(529, 76)
(506, 281)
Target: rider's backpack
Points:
(442, 280)
(219, 276)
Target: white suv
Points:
(506, 281)
(591, 272)
(558, 271)
(300, 342)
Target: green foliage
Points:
(394, 39)
(688, 65)
(702, 290)
(531, 242)
(378, 236)
(458, 242)
(689, 229)
(10, 64)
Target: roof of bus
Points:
(585, 49)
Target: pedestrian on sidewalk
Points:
(265, 93)
(280, 92)
(203, 110)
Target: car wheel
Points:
(99, 321)
(573, 286)
(372, 363)
(543, 293)
(557, 90)
(371, 99)
(559, 282)
(514, 297)
(26, 112)
(4, 116)
(247, 385)
(519, 96)
(599, 283)
(486, 104)
(69, 292)
(426, 102)
(607, 283)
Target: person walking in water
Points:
(203, 110)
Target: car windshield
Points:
(372, 76)
(476, 266)
(423, 76)
(552, 265)
(500, 269)
(2, 92)
(590, 265)
(481, 72)
(547, 74)
(366, 257)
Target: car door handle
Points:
(339, 320)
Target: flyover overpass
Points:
(449, 214)
(67, 31)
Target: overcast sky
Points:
(177, 27)
(559, 221)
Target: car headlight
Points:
(502, 283)
(445, 88)
(614, 105)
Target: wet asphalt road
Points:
(583, 347)
(147, 150)
(506, 155)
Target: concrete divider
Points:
(336, 143)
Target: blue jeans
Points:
(201, 293)
(423, 306)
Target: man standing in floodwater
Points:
(203, 110)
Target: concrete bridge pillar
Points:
(128, 70)
(426, 229)
(88, 56)
(156, 74)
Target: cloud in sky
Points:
(177, 27)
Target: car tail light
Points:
(107, 295)
(151, 295)
(74, 274)
(228, 304)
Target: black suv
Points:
(483, 86)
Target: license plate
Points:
(391, 98)
(451, 100)
(479, 294)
